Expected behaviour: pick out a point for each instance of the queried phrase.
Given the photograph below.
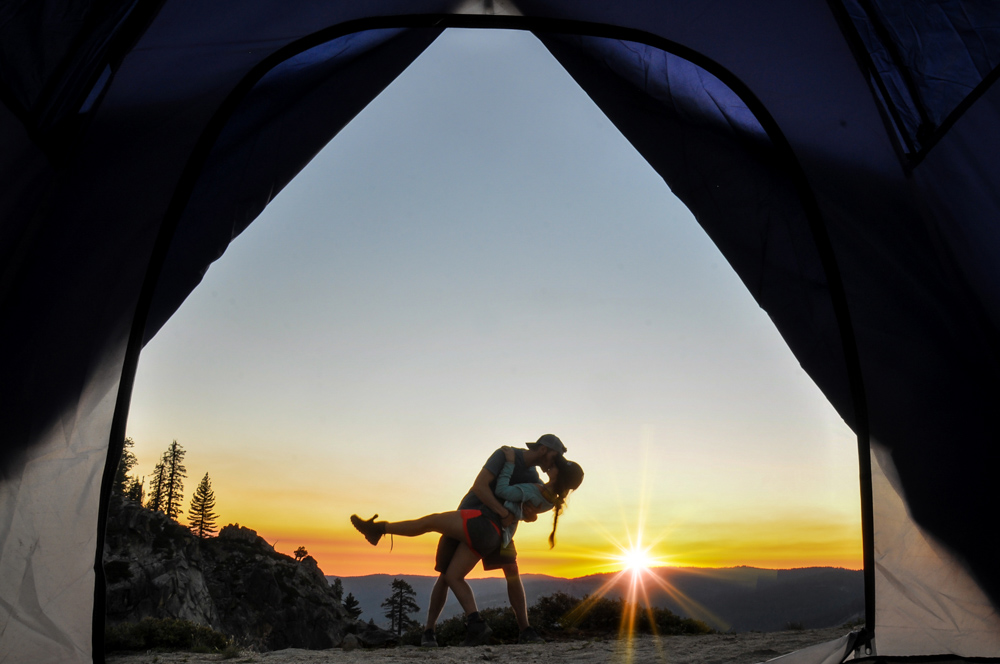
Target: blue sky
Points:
(480, 258)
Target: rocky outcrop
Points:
(235, 583)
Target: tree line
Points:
(558, 615)
(350, 602)
(166, 488)
(398, 606)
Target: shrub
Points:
(602, 615)
(563, 616)
(671, 623)
(167, 633)
(549, 612)
(450, 632)
(503, 623)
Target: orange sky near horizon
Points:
(701, 515)
(683, 528)
(348, 554)
(697, 514)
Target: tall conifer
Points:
(352, 605)
(156, 492)
(399, 605)
(201, 515)
(173, 481)
(125, 465)
(134, 490)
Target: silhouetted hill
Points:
(235, 583)
(738, 598)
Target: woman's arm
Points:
(516, 493)
(504, 489)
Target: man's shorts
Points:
(495, 558)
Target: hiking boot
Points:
(477, 633)
(529, 635)
(428, 640)
(372, 531)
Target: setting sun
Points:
(638, 559)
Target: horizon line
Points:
(583, 576)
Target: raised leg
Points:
(446, 523)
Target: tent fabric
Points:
(929, 603)
(868, 238)
(927, 57)
(42, 80)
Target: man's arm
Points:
(481, 487)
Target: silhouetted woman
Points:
(480, 531)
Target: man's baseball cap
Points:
(550, 441)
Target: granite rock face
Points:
(235, 583)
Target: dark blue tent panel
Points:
(927, 59)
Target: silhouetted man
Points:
(543, 454)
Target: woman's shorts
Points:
(500, 558)
(481, 533)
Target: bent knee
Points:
(451, 580)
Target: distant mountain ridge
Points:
(738, 599)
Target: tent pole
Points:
(867, 534)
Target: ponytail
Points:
(555, 522)
(568, 480)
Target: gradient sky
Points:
(477, 259)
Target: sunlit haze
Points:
(477, 259)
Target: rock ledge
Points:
(235, 583)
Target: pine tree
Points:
(301, 553)
(134, 491)
(125, 465)
(173, 480)
(352, 605)
(399, 605)
(201, 515)
(337, 588)
(156, 492)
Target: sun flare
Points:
(640, 567)
(638, 559)
(635, 557)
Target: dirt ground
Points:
(748, 648)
